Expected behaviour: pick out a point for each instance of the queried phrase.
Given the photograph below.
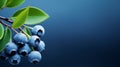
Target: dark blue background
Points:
(79, 33)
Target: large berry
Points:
(41, 46)
(3, 56)
(34, 41)
(11, 48)
(20, 39)
(38, 30)
(24, 50)
(14, 60)
(34, 57)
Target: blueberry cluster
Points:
(23, 46)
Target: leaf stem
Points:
(28, 27)
(24, 32)
(8, 26)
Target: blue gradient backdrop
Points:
(79, 33)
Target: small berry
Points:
(24, 50)
(14, 60)
(38, 30)
(41, 46)
(20, 39)
(34, 41)
(3, 56)
(34, 57)
(11, 48)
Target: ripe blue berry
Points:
(24, 50)
(34, 41)
(14, 60)
(20, 39)
(34, 57)
(41, 46)
(38, 30)
(3, 56)
(11, 48)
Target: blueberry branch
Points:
(10, 21)
(8, 26)
(6, 19)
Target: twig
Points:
(10, 21)
(6, 19)
(8, 26)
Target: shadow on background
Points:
(79, 33)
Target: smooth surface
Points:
(79, 33)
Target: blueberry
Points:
(38, 30)
(34, 41)
(41, 46)
(20, 39)
(34, 57)
(3, 56)
(11, 48)
(14, 60)
(24, 50)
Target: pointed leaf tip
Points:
(21, 18)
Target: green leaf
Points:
(14, 3)
(1, 31)
(6, 38)
(21, 18)
(2, 3)
(35, 15)
(27, 30)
